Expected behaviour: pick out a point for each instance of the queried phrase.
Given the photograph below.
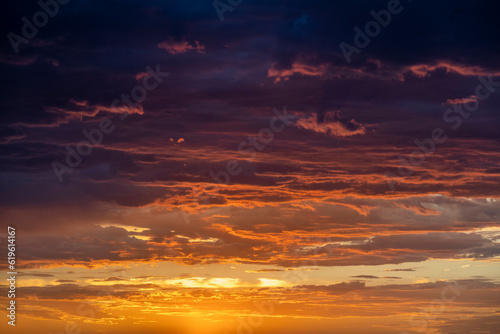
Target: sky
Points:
(249, 166)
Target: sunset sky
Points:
(285, 169)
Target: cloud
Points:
(77, 110)
(18, 60)
(264, 270)
(469, 99)
(111, 279)
(36, 274)
(331, 124)
(179, 47)
(366, 276)
(422, 70)
(296, 68)
(335, 289)
(408, 269)
(328, 304)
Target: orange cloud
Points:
(79, 109)
(174, 47)
(472, 98)
(423, 70)
(297, 68)
(332, 125)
